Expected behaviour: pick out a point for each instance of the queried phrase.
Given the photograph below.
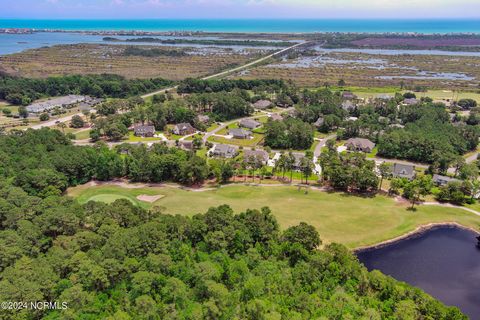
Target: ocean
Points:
(256, 25)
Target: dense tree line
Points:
(154, 52)
(23, 91)
(428, 136)
(289, 134)
(119, 261)
(348, 171)
(207, 42)
(214, 85)
(44, 162)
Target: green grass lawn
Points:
(213, 127)
(133, 138)
(82, 135)
(351, 220)
(257, 138)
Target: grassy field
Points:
(107, 58)
(352, 220)
(257, 138)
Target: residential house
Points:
(186, 144)
(360, 144)
(319, 122)
(410, 101)
(276, 117)
(443, 180)
(262, 104)
(298, 160)
(144, 131)
(258, 155)
(240, 133)
(348, 105)
(403, 171)
(183, 129)
(203, 118)
(249, 123)
(224, 151)
(347, 95)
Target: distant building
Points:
(183, 129)
(298, 160)
(249, 123)
(403, 171)
(144, 131)
(352, 119)
(443, 180)
(224, 151)
(384, 97)
(258, 155)
(262, 104)
(360, 144)
(186, 144)
(60, 102)
(240, 133)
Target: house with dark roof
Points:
(239, 133)
(144, 131)
(360, 144)
(260, 156)
(298, 160)
(262, 104)
(249, 124)
(183, 129)
(401, 170)
(186, 144)
(224, 151)
(440, 180)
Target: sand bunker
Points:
(147, 198)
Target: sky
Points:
(210, 9)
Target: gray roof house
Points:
(443, 180)
(144, 131)
(347, 95)
(262, 104)
(360, 144)
(203, 118)
(258, 155)
(224, 151)
(249, 123)
(319, 122)
(182, 129)
(403, 171)
(410, 101)
(298, 160)
(240, 133)
(276, 117)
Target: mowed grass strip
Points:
(352, 220)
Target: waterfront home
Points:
(144, 131)
(260, 156)
(401, 170)
(224, 151)
(360, 144)
(183, 129)
(240, 133)
(249, 124)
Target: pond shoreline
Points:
(413, 234)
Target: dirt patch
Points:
(150, 199)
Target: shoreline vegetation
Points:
(218, 42)
(370, 212)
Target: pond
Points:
(444, 262)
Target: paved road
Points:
(224, 73)
(53, 122)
